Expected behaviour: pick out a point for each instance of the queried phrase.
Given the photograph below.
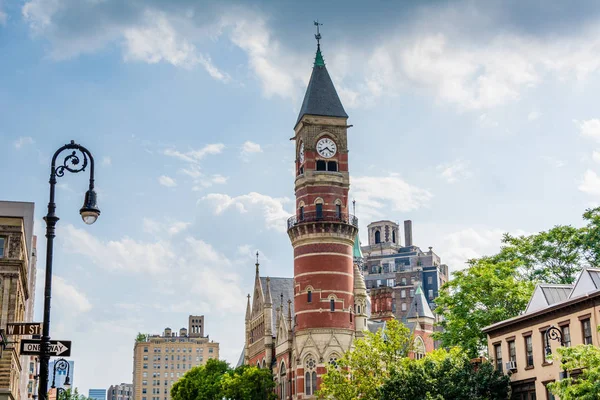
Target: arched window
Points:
(394, 236)
(264, 363)
(319, 210)
(258, 364)
(309, 296)
(301, 213)
(332, 304)
(377, 237)
(321, 165)
(283, 392)
(310, 376)
(332, 166)
(419, 348)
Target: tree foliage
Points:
(484, 293)
(445, 375)
(591, 236)
(370, 363)
(141, 337)
(217, 381)
(585, 386)
(249, 383)
(71, 394)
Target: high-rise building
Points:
(123, 391)
(393, 272)
(297, 326)
(97, 394)
(17, 274)
(160, 360)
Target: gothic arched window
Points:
(310, 376)
(283, 393)
(419, 348)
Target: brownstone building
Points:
(519, 345)
(17, 276)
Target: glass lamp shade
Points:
(89, 212)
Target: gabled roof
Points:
(419, 307)
(588, 280)
(546, 294)
(278, 287)
(374, 326)
(321, 97)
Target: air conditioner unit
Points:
(511, 365)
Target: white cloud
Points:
(596, 156)
(23, 141)
(455, 171)
(177, 227)
(250, 148)
(169, 227)
(106, 161)
(271, 207)
(69, 297)
(533, 115)
(590, 183)
(375, 196)
(206, 182)
(194, 156)
(590, 128)
(167, 181)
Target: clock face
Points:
(301, 153)
(326, 148)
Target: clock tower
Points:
(322, 233)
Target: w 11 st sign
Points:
(57, 347)
(24, 328)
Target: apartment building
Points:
(160, 360)
(520, 345)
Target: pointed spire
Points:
(268, 300)
(319, 61)
(248, 312)
(289, 313)
(420, 306)
(359, 282)
(356, 251)
(257, 264)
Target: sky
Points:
(469, 118)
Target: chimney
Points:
(408, 233)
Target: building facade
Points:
(17, 280)
(97, 394)
(393, 271)
(122, 391)
(160, 360)
(519, 345)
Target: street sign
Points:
(24, 328)
(31, 347)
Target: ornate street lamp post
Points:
(76, 161)
(61, 365)
(553, 333)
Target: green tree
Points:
(553, 256)
(445, 375)
(141, 337)
(585, 386)
(71, 394)
(249, 383)
(362, 370)
(591, 236)
(203, 382)
(484, 293)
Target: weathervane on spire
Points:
(318, 35)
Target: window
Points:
(394, 236)
(545, 345)
(145, 349)
(403, 293)
(512, 351)
(321, 165)
(310, 377)
(528, 352)
(332, 305)
(301, 214)
(412, 292)
(309, 296)
(566, 335)
(332, 166)
(210, 350)
(586, 328)
(403, 281)
(391, 282)
(338, 210)
(319, 211)
(283, 392)
(430, 293)
(498, 355)
(419, 348)
(429, 280)
(377, 237)
(403, 307)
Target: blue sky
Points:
(470, 119)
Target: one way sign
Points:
(57, 347)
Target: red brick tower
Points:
(322, 233)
